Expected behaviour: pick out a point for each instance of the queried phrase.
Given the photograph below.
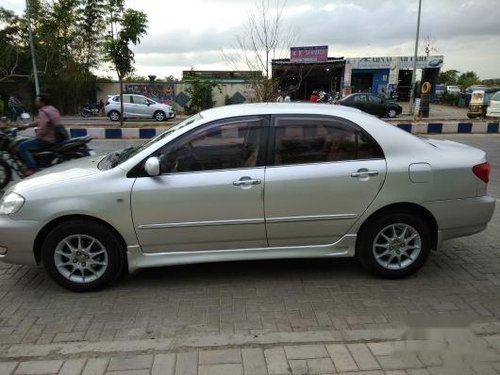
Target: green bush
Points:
(450, 99)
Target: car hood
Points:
(57, 174)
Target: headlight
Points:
(11, 203)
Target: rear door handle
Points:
(364, 173)
(247, 181)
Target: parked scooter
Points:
(93, 109)
(10, 160)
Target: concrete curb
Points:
(416, 128)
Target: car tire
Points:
(394, 245)
(5, 174)
(160, 116)
(83, 256)
(114, 115)
(391, 113)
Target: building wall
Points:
(176, 95)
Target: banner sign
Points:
(402, 62)
(309, 54)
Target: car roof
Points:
(277, 108)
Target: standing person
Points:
(15, 107)
(282, 97)
(48, 117)
(314, 97)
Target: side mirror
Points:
(152, 166)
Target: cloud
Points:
(466, 32)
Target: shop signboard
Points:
(312, 54)
(403, 62)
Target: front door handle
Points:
(364, 173)
(247, 181)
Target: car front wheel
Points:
(391, 113)
(83, 256)
(394, 245)
(159, 116)
(114, 115)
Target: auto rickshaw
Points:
(479, 102)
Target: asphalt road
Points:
(266, 317)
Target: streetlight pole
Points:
(413, 75)
(32, 47)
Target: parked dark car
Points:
(372, 104)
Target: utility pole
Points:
(413, 75)
(32, 47)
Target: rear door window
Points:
(319, 139)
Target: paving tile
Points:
(320, 366)
(225, 356)
(72, 367)
(305, 352)
(136, 362)
(341, 357)
(7, 368)
(419, 371)
(221, 369)
(363, 357)
(186, 363)
(163, 364)
(276, 361)
(129, 372)
(254, 362)
(96, 366)
(38, 367)
(298, 367)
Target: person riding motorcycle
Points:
(48, 117)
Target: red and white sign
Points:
(309, 54)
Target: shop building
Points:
(310, 68)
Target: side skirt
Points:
(343, 248)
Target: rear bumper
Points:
(461, 217)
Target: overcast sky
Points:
(193, 33)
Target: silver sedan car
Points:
(253, 181)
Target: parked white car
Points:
(453, 90)
(137, 106)
(493, 109)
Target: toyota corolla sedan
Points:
(252, 181)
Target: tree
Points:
(468, 79)
(127, 26)
(67, 35)
(200, 91)
(264, 38)
(448, 77)
(14, 58)
(429, 45)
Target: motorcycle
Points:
(94, 109)
(10, 160)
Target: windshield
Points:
(115, 158)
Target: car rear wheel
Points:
(83, 256)
(159, 116)
(391, 113)
(114, 115)
(394, 245)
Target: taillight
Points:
(482, 171)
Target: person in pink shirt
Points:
(48, 117)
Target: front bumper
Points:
(17, 239)
(462, 217)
